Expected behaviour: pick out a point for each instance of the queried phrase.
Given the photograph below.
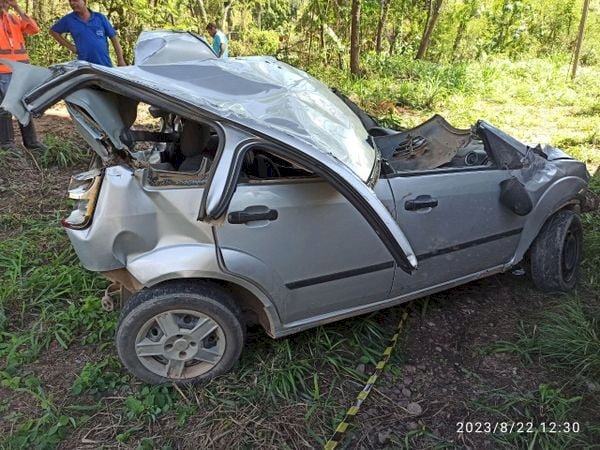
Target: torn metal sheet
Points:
(427, 146)
(25, 78)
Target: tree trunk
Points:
(586, 5)
(259, 18)
(461, 29)
(429, 26)
(323, 46)
(355, 38)
(39, 11)
(384, 7)
(225, 15)
(201, 8)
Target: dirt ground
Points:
(445, 366)
(27, 189)
(444, 363)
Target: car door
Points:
(306, 245)
(455, 224)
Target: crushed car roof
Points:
(265, 94)
(167, 46)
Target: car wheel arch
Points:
(561, 194)
(255, 306)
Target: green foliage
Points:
(45, 288)
(256, 42)
(45, 51)
(315, 30)
(149, 403)
(99, 377)
(60, 152)
(546, 405)
(567, 337)
(45, 431)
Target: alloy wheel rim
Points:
(180, 344)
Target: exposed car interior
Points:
(176, 144)
(179, 144)
(262, 165)
(435, 144)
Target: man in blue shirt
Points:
(89, 30)
(219, 40)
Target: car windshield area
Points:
(436, 144)
(432, 145)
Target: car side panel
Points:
(321, 253)
(132, 220)
(468, 230)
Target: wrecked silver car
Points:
(226, 192)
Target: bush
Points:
(255, 42)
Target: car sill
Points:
(300, 325)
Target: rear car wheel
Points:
(180, 333)
(556, 252)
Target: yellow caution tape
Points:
(338, 435)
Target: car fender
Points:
(195, 261)
(554, 198)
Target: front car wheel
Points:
(556, 252)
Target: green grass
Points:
(546, 405)
(566, 337)
(60, 153)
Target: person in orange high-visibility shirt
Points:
(12, 46)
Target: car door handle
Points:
(237, 217)
(421, 202)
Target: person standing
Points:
(219, 40)
(89, 30)
(12, 47)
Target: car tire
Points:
(556, 252)
(180, 332)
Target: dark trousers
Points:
(7, 134)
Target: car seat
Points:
(193, 139)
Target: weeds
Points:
(96, 378)
(60, 153)
(45, 431)
(567, 337)
(543, 408)
(149, 403)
